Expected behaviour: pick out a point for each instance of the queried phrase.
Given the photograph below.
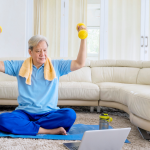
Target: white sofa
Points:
(120, 84)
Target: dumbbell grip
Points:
(82, 33)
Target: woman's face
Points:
(39, 54)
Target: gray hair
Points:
(34, 40)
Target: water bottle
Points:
(104, 120)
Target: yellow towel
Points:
(26, 70)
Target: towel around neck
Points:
(26, 70)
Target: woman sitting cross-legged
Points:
(38, 79)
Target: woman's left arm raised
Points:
(80, 61)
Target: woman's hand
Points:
(82, 28)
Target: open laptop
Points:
(110, 139)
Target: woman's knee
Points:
(4, 117)
(70, 114)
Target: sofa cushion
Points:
(78, 91)
(138, 99)
(110, 91)
(80, 75)
(8, 90)
(6, 77)
(144, 76)
(114, 74)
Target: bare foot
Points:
(58, 131)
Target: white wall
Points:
(29, 23)
(14, 22)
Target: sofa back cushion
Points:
(114, 74)
(121, 71)
(80, 75)
(144, 76)
(5, 77)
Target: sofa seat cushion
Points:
(138, 99)
(78, 91)
(135, 96)
(8, 90)
(110, 91)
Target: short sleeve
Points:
(64, 67)
(12, 67)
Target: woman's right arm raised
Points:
(2, 67)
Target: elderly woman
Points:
(37, 112)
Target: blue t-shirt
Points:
(42, 95)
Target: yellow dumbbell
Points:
(0, 29)
(82, 33)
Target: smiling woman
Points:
(37, 99)
(38, 50)
(39, 54)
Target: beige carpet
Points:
(137, 143)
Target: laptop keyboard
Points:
(74, 148)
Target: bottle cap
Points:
(105, 117)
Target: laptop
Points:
(110, 139)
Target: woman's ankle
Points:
(57, 131)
